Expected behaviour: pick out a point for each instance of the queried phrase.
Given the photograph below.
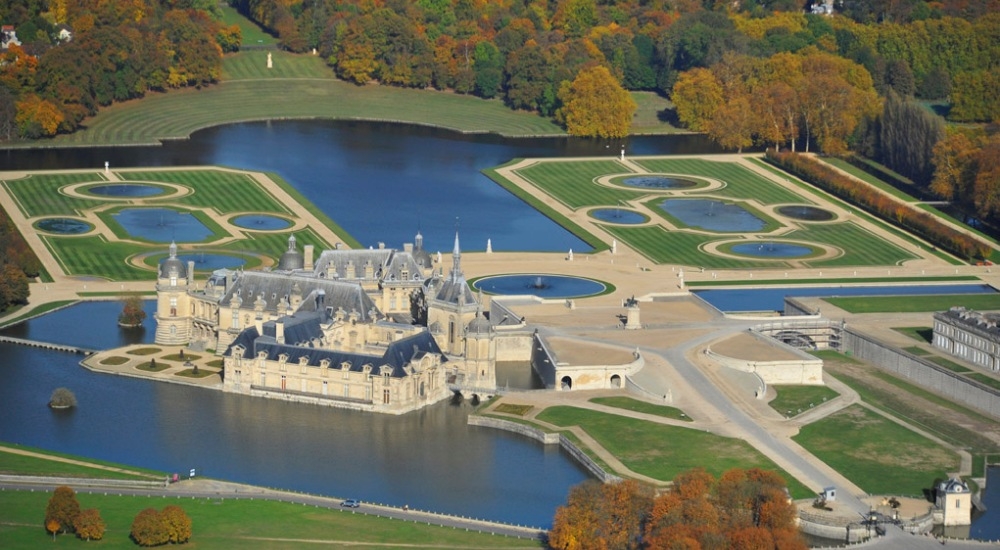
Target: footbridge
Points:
(45, 345)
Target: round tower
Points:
(173, 319)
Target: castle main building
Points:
(374, 329)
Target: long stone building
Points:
(970, 335)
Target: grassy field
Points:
(860, 247)
(630, 404)
(906, 304)
(252, 34)
(225, 192)
(39, 194)
(920, 334)
(794, 400)
(849, 280)
(741, 183)
(878, 455)
(660, 451)
(228, 523)
(573, 183)
(49, 465)
(868, 178)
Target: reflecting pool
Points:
(659, 182)
(773, 299)
(541, 285)
(712, 215)
(618, 215)
(805, 213)
(162, 225)
(261, 222)
(210, 262)
(125, 190)
(63, 226)
(771, 249)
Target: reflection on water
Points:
(429, 459)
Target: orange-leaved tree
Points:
(89, 525)
(596, 105)
(62, 509)
(601, 515)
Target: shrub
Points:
(62, 397)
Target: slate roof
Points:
(387, 264)
(275, 288)
(302, 329)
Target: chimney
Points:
(279, 331)
(190, 272)
(307, 250)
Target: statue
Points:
(269, 62)
(614, 246)
(570, 255)
(623, 153)
(489, 246)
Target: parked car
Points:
(351, 503)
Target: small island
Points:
(62, 398)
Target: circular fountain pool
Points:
(63, 226)
(261, 222)
(772, 249)
(619, 215)
(125, 190)
(805, 213)
(541, 285)
(211, 262)
(658, 182)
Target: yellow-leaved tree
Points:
(595, 105)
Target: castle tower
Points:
(480, 351)
(955, 502)
(451, 307)
(173, 305)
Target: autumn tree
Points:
(132, 313)
(600, 515)
(908, 134)
(89, 525)
(62, 509)
(595, 105)
(734, 124)
(696, 96)
(149, 529)
(178, 524)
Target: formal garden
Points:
(118, 225)
(710, 213)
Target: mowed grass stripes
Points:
(96, 257)
(741, 183)
(678, 247)
(225, 192)
(39, 195)
(860, 246)
(572, 183)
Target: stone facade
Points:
(373, 329)
(969, 335)
(955, 502)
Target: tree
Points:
(178, 524)
(595, 105)
(696, 96)
(907, 138)
(132, 314)
(149, 529)
(62, 509)
(37, 117)
(600, 515)
(89, 525)
(733, 125)
(62, 397)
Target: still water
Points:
(381, 182)
(429, 459)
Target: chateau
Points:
(374, 329)
(969, 335)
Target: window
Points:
(324, 387)
(385, 397)
(283, 381)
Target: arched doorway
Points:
(566, 383)
(616, 381)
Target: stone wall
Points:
(923, 373)
(514, 346)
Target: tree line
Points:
(18, 264)
(150, 527)
(117, 51)
(740, 510)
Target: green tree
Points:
(595, 105)
(89, 525)
(63, 509)
(975, 96)
(907, 138)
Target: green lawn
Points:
(252, 33)
(223, 191)
(860, 247)
(237, 524)
(793, 400)
(920, 334)
(878, 455)
(39, 195)
(985, 380)
(661, 451)
(907, 304)
(948, 364)
(13, 463)
(868, 178)
(630, 404)
(573, 183)
(252, 65)
(741, 183)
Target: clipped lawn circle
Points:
(144, 351)
(63, 226)
(115, 360)
(149, 366)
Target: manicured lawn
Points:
(920, 334)
(740, 182)
(573, 183)
(860, 247)
(880, 456)
(96, 256)
(35, 311)
(237, 524)
(115, 360)
(11, 463)
(144, 351)
(916, 350)
(511, 408)
(677, 247)
(661, 451)
(150, 366)
(222, 191)
(630, 404)
(647, 114)
(176, 114)
(252, 34)
(39, 195)
(190, 373)
(794, 400)
(868, 178)
(906, 304)
(43, 462)
(985, 380)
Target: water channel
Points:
(424, 179)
